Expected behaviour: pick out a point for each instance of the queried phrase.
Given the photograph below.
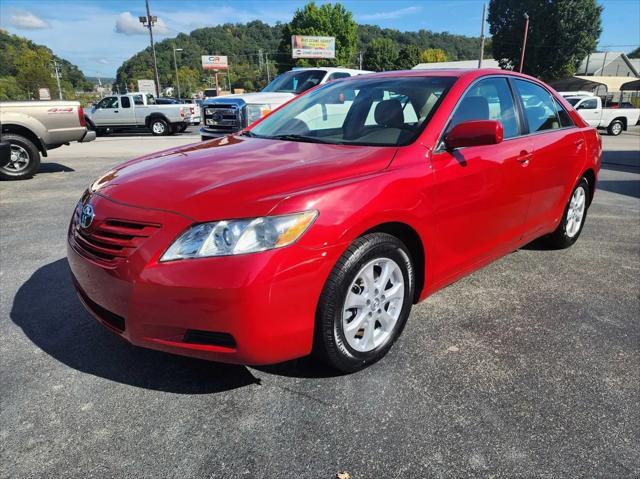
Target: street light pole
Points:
(484, 9)
(148, 22)
(175, 63)
(524, 42)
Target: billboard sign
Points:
(313, 47)
(44, 94)
(147, 86)
(215, 62)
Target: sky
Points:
(98, 35)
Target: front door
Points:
(590, 110)
(481, 193)
(106, 111)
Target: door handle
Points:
(524, 158)
(579, 144)
(115, 111)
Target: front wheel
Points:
(159, 127)
(575, 214)
(365, 303)
(615, 128)
(24, 161)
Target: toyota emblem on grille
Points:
(86, 217)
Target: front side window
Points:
(380, 112)
(296, 81)
(108, 102)
(539, 108)
(488, 99)
(590, 104)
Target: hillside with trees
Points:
(255, 46)
(25, 67)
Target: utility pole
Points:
(55, 66)
(484, 9)
(266, 61)
(175, 63)
(360, 59)
(148, 22)
(524, 42)
(260, 59)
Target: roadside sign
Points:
(313, 47)
(44, 94)
(215, 62)
(147, 86)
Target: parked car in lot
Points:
(139, 110)
(614, 119)
(32, 128)
(310, 232)
(232, 113)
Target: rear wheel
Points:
(365, 303)
(572, 222)
(159, 127)
(182, 128)
(615, 128)
(25, 158)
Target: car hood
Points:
(272, 98)
(235, 176)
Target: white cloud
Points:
(127, 24)
(391, 14)
(27, 20)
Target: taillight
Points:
(192, 109)
(83, 122)
(181, 112)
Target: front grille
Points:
(222, 117)
(110, 240)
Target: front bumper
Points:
(207, 134)
(265, 302)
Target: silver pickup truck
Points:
(34, 127)
(139, 110)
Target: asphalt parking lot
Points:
(529, 367)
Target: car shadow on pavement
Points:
(49, 167)
(50, 314)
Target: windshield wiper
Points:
(296, 137)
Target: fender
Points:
(37, 130)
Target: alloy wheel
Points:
(19, 159)
(575, 213)
(373, 305)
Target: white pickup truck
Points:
(228, 114)
(614, 120)
(138, 110)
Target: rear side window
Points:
(539, 108)
(565, 118)
(138, 100)
(125, 102)
(489, 99)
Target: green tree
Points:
(331, 20)
(433, 55)
(10, 90)
(381, 55)
(408, 57)
(561, 34)
(33, 71)
(635, 53)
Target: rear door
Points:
(482, 193)
(126, 115)
(559, 152)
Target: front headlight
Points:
(257, 111)
(223, 238)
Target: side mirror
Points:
(474, 133)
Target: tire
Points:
(25, 160)
(566, 234)
(90, 125)
(103, 131)
(349, 339)
(182, 128)
(159, 127)
(615, 128)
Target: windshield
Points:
(296, 81)
(573, 101)
(363, 111)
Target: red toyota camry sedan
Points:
(316, 229)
